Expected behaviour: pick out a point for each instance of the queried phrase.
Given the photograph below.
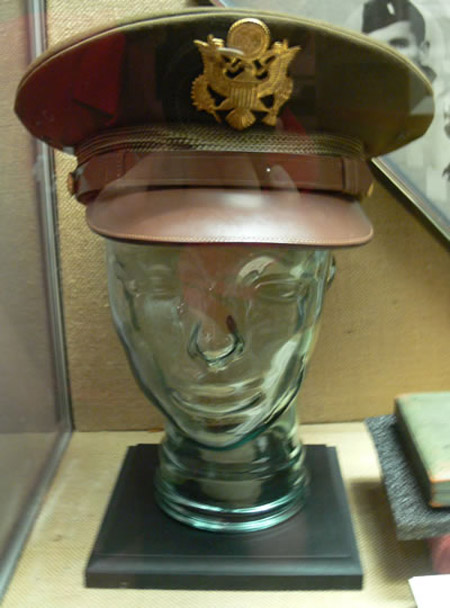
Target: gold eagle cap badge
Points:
(245, 76)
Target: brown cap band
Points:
(136, 170)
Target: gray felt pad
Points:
(414, 519)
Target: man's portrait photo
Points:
(400, 24)
(419, 30)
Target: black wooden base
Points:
(139, 547)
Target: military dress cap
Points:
(219, 126)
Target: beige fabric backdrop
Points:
(385, 328)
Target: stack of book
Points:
(423, 421)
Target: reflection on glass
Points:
(34, 420)
(218, 338)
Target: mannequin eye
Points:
(154, 287)
(162, 287)
(279, 290)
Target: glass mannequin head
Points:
(217, 336)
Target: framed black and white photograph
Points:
(420, 29)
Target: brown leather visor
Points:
(218, 215)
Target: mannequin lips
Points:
(216, 406)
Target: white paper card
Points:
(431, 591)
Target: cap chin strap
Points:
(125, 170)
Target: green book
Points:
(423, 421)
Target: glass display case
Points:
(35, 422)
(225, 162)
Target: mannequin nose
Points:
(214, 345)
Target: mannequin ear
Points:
(331, 271)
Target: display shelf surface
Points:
(51, 570)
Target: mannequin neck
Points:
(256, 484)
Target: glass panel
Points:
(34, 420)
